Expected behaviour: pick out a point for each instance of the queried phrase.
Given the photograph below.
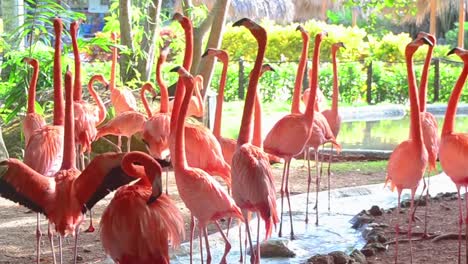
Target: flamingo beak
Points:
(206, 53)
(453, 51)
(240, 22)
(157, 190)
(175, 69)
(427, 41)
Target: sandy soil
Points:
(17, 223)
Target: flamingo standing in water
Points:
(32, 120)
(253, 186)
(64, 198)
(297, 128)
(408, 160)
(331, 115)
(453, 151)
(201, 193)
(44, 149)
(140, 220)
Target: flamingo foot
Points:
(90, 229)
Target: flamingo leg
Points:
(200, 236)
(460, 222)
(282, 196)
(60, 249)
(410, 222)
(289, 201)
(397, 227)
(229, 222)
(119, 141)
(91, 227)
(329, 175)
(317, 188)
(241, 259)
(192, 230)
(427, 205)
(309, 179)
(257, 260)
(129, 141)
(208, 253)
(51, 240)
(75, 249)
(38, 240)
(466, 225)
(227, 246)
(247, 228)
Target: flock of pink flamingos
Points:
(141, 221)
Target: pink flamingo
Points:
(332, 115)
(122, 99)
(253, 186)
(64, 198)
(429, 124)
(453, 151)
(296, 127)
(32, 120)
(125, 124)
(157, 128)
(201, 193)
(408, 161)
(203, 150)
(44, 149)
(197, 104)
(140, 220)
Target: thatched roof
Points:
(280, 11)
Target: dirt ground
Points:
(441, 245)
(17, 223)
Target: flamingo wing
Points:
(103, 175)
(25, 186)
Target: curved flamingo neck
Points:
(69, 153)
(415, 127)
(164, 107)
(77, 89)
(59, 114)
(424, 80)
(180, 156)
(32, 87)
(129, 166)
(97, 98)
(450, 114)
(309, 112)
(336, 90)
(147, 87)
(188, 30)
(224, 58)
(300, 74)
(187, 64)
(246, 123)
(257, 130)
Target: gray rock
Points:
(377, 246)
(276, 248)
(320, 259)
(375, 211)
(339, 257)
(358, 257)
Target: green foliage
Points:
(451, 36)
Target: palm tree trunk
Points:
(145, 64)
(205, 67)
(433, 19)
(126, 39)
(461, 23)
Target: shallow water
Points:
(334, 231)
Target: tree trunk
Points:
(126, 70)
(461, 24)
(145, 63)
(433, 19)
(205, 67)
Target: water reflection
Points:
(384, 134)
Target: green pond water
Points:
(384, 134)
